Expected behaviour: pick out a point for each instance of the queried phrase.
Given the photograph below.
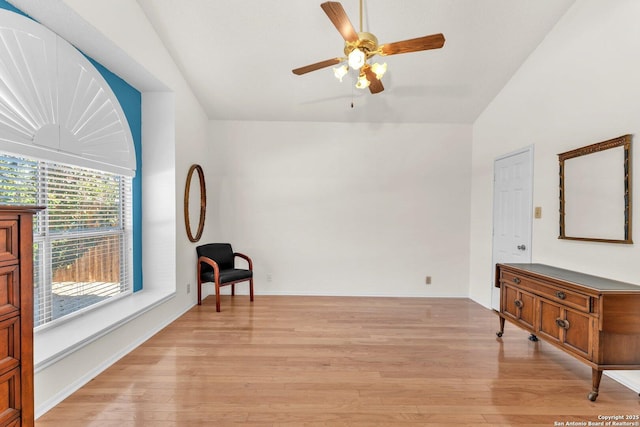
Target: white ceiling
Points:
(238, 56)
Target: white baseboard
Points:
(630, 379)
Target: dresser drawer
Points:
(519, 305)
(9, 250)
(570, 328)
(9, 344)
(9, 291)
(11, 403)
(567, 297)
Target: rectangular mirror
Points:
(595, 192)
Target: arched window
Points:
(65, 144)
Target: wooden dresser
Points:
(594, 319)
(16, 316)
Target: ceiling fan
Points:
(359, 47)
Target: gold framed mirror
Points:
(595, 192)
(192, 196)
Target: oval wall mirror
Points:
(194, 194)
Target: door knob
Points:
(522, 247)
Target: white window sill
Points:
(53, 344)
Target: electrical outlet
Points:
(188, 288)
(269, 278)
(428, 280)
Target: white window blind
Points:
(82, 240)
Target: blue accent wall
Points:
(131, 102)
(5, 5)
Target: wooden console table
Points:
(594, 319)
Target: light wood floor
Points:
(328, 361)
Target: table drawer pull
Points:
(516, 280)
(561, 295)
(564, 324)
(518, 303)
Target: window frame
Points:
(40, 180)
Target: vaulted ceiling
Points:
(238, 56)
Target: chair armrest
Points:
(212, 263)
(246, 258)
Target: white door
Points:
(512, 211)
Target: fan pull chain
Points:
(352, 88)
(360, 15)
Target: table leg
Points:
(501, 331)
(596, 376)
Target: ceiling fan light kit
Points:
(379, 69)
(360, 47)
(363, 82)
(340, 72)
(356, 59)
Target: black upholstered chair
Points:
(216, 263)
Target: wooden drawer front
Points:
(578, 334)
(567, 297)
(519, 305)
(509, 295)
(9, 344)
(9, 291)
(9, 248)
(566, 326)
(548, 327)
(10, 404)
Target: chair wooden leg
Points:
(199, 292)
(251, 289)
(233, 289)
(217, 297)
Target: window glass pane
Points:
(79, 200)
(85, 271)
(18, 181)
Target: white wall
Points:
(346, 209)
(579, 87)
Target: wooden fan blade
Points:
(434, 41)
(338, 16)
(318, 65)
(375, 85)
